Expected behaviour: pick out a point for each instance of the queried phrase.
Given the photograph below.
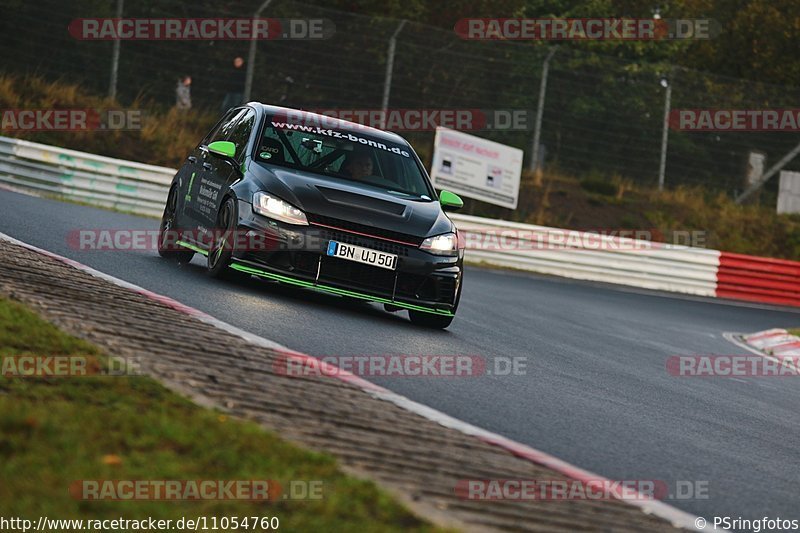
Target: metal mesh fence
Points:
(602, 117)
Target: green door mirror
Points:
(223, 148)
(450, 201)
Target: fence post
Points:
(251, 56)
(387, 82)
(537, 130)
(112, 84)
(662, 167)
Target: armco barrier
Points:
(587, 256)
(84, 177)
(142, 189)
(758, 279)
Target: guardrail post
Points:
(112, 84)
(662, 167)
(387, 82)
(537, 131)
(251, 56)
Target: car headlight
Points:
(445, 244)
(272, 207)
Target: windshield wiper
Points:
(415, 195)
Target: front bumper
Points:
(297, 255)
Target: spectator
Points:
(235, 80)
(183, 93)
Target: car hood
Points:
(353, 202)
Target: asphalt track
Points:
(595, 391)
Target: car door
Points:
(221, 171)
(200, 202)
(225, 172)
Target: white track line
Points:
(657, 508)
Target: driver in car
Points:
(357, 165)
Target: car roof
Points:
(327, 121)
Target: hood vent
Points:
(361, 201)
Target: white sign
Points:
(789, 193)
(476, 168)
(755, 166)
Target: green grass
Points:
(794, 331)
(56, 430)
(599, 186)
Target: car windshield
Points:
(352, 155)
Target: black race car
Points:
(320, 203)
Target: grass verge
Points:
(56, 430)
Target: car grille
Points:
(382, 281)
(367, 230)
(357, 275)
(374, 244)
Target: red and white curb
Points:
(777, 345)
(776, 342)
(657, 508)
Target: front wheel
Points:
(168, 246)
(429, 320)
(221, 252)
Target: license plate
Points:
(359, 254)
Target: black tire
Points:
(429, 320)
(168, 232)
(221, 251)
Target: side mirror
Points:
(450, 201)
(223, 148)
